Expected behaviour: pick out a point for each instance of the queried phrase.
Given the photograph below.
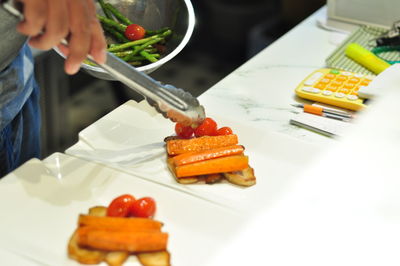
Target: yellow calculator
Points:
(334, 87)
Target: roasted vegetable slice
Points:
(161, 258)
(242, 178)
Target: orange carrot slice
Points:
(121, 240)
(192, 157)
(116, 223)
(218, 165)
(179, 146)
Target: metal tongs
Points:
(173, 103)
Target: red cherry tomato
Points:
(207, 128)
(134, 32)
(224, 131)
(184, 132)
(120, 206)
(143, 207)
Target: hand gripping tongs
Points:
(173, 103)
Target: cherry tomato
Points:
(120, 206)
(184, 132)
(134, 32)
(224, 131)
(143, 207)
(207, 128)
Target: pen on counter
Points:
(316, 110)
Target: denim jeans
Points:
(19, 113)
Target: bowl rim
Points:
(163, 60)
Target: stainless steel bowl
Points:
(154, 14)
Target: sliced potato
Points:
(82, 255)
(98, 211)
(116, 258)
(187, 180)
(160, 258)
(242, 178)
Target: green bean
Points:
(151, 50)
(116, 34)
(118, 26)
(139, 48)
(135, 63)
(124, 46)
(134, 58)
(106, 12)
(154, 32)
(118, 15)
(148, 56)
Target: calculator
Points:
(334, 87)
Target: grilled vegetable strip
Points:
(193, 157)
(179, 146)
(106, 12)
(213, 166)
(121, 240)
(115, 223)
(118, 14)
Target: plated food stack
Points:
(208, 156)
(112, 239)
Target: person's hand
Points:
(47, 22)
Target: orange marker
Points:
(316, 110)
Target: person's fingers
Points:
(50, 21)
(63, 49)
(35, 16)
(79, 41)
(56, 27)
(98, 43)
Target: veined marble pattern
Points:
(262, 97)
(261, 90)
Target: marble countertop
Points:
(261, 90)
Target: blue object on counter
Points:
(19, 113)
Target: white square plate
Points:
(130, 138)
(41, 201)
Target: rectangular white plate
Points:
(41, 201)
(131, 139)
